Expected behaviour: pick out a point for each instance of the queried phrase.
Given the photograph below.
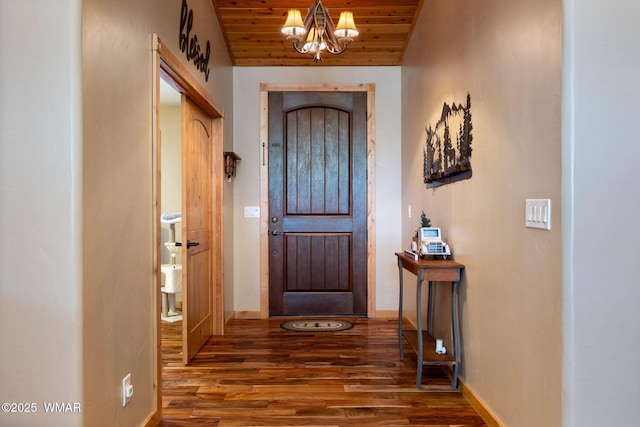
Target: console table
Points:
(423, 342)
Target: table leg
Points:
(456, 333)
(430, 309)
(419, 321)
(400, 310)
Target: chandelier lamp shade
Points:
(317, 33)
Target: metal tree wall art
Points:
(444, 163)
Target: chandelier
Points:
(319, 30)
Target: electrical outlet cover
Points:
(127, 390)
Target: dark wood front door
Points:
(317, 203)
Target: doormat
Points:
(316, 325)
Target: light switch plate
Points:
(538, 213)
(252, 211)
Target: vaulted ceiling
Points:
(252, 31)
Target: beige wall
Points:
(507, 55)
(247, 184)
(40, 222)
(76, 274)
(601, 148)
(118, 308)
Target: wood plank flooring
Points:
(261, 375)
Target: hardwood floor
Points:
(261, 375)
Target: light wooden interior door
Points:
(197, 323)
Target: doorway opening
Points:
(171, 202)
(170, 245)
(187, 193)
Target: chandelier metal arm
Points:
(330, 48)
(299, 49)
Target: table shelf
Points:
(429, 355)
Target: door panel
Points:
(318, 262)
(197, 324)
(317, 157)
(318, 203)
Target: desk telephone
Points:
(430, 241)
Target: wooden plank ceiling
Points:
(252, 31)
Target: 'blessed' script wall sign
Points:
(189, 42)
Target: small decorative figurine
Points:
(424, 221)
